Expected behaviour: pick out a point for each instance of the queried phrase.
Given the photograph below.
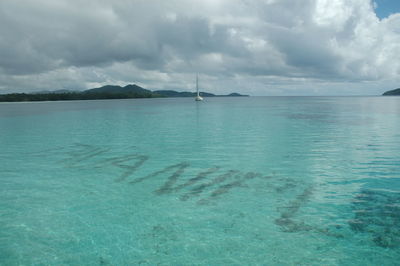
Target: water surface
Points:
(227, 181)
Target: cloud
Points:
(275, 45)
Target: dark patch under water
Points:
(377, 213)
(206, 186)
(286, 220)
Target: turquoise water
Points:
(227, 181)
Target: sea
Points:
(225, 181)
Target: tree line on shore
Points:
(105, 92)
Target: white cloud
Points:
(276, 47)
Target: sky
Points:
(384, 8)
(256, 47)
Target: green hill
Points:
(392, 92)
(172, 93)
(105, 92)
(118, 89)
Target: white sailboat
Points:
(198, 97)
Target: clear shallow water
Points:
(227, 181)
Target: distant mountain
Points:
(172, 93)
(392, 92)
(118, 89)
(157, 93)
(234, 94)
(105, 92)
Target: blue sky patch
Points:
(387, 7)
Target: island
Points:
(105, 92)
(392, 92)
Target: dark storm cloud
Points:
(39, 36)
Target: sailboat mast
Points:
(197, 84)
(198, 97)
